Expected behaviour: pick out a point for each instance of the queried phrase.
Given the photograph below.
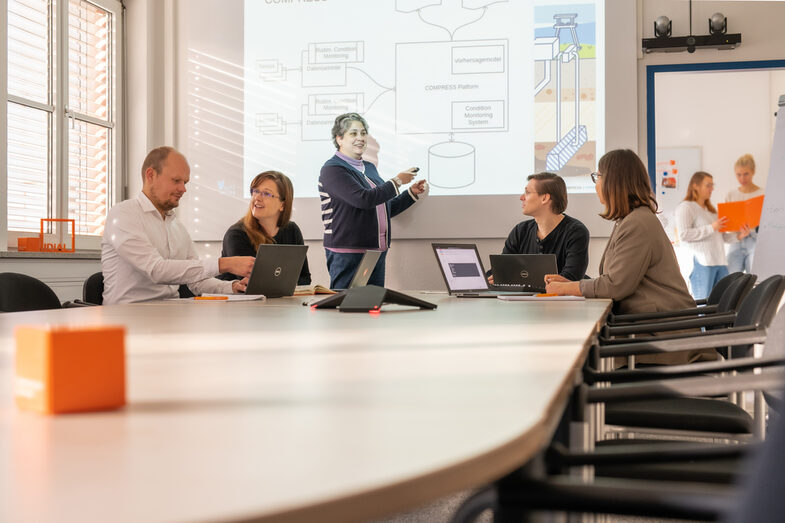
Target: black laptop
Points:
(276, 270)
(464, 274)
(525, 271)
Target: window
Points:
(63, 118)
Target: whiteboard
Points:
(674, 168)
(770, 250)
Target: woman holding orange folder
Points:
(699, 226)
(742, 242)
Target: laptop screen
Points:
(461, 267)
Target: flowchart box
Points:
(429, 82)
(335, 103)
(316, 127)
(322, 75)
(476, 115)
(336, 52)
(478, 59)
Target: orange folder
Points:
(70, 369)
(739, 213)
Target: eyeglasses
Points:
(595, 176)
(263, 194)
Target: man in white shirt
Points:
(146, 253)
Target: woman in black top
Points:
(267, 221)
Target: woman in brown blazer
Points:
(638, 269)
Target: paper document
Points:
(236, 297)
(542, 298)
(739, 213)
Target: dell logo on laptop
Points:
(524, 274)
(277, 271)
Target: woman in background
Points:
(742, 242)
(698, 226)
(267, 221)
(638, 269)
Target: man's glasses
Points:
(595, 176)
(263, 194)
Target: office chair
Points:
(723, 316)
(20, 292)
(718, 301)
(93, 289)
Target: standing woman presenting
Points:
(698, 226)
(357, 204)
(742, 242)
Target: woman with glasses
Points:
(699, 226)
(267, 221)
(357, 203)
(638, 269)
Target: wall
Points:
(726, 114)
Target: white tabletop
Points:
(273, 410)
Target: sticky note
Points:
(70, 369)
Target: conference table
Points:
(273, 411)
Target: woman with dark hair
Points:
(357, 204)
(638, 269)
(267, 221)
(698, 226)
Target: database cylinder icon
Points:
(451, 165)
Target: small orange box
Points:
(70, 369)
(28, 244)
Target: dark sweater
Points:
(569, 241)
(349, 204)
(237, 243)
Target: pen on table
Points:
(545, 295)
(211, 297)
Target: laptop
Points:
(276, 270)
(365, 269)
(464, 274)
(526, 271)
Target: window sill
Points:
(85, 254)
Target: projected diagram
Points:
(560, 90)
(441, 87)
(458, 97)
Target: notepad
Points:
(542, 298)
(739, 213)
(234, 297)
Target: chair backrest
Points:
(719, 288)
(20, 292)
(93, 289)
(758, 309)
(735, 292)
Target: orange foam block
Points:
(70, 369)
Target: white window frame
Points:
(61, 117)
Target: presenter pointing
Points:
(357, 204)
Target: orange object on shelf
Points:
(70, 369)
(741, 212)
(28, 244)
(58, 247)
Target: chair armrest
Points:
(645, 316)
(702, 301)
(663, 372)
(657, 452)
(687, 387)
(700, 340)
(77, 303)
(722, 319)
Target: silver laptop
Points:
(526, 271)
(464, 274)
(276, 270)
(365, 269)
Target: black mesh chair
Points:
(93, 289)
(20, 292)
